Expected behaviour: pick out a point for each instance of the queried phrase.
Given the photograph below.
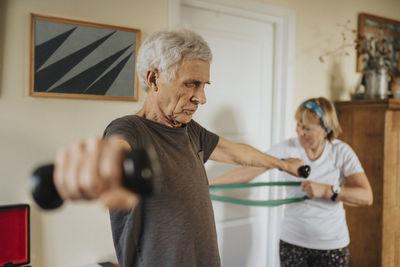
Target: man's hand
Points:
(313, 189)
(92, 169)
(291, 165)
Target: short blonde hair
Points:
(329, 120)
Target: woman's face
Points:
(311, 135)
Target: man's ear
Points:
(151, 78)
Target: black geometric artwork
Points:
(76, 59)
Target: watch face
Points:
(336, 189)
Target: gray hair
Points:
(164, 51)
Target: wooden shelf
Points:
(392, 103)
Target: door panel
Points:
(238, 108)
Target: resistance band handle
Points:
(139, 171)
(304, 171)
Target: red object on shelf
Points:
(14, 235)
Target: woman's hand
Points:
(355, 192)
(313, 189)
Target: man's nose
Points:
(199, 95)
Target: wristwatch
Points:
(336, 190)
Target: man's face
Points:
(179, 98)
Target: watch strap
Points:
(335, 192)
(334, 196)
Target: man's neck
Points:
(150, 111)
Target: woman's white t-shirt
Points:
(317, 223)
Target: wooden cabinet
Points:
(372, 129)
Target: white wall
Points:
(317, 32)
(31, 129)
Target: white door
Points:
(241, 102)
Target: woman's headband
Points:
(314, 107)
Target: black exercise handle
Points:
(140, 168)
(304, 171)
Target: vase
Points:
(377, 81)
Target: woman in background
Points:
(314, 232)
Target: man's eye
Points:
(192, 84)
(189, 85)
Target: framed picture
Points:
(77, 59)
(372, 30)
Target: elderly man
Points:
(176, 226)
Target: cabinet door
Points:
(363, 129)
(391, 192)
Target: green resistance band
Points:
(264, 203)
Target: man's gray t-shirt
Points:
(175, 227)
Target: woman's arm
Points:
(238, 176)
(355, 192)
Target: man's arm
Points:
(238, 176)
(246, 155)
(92, 169)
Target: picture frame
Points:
(371, 26)
(79, 59)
